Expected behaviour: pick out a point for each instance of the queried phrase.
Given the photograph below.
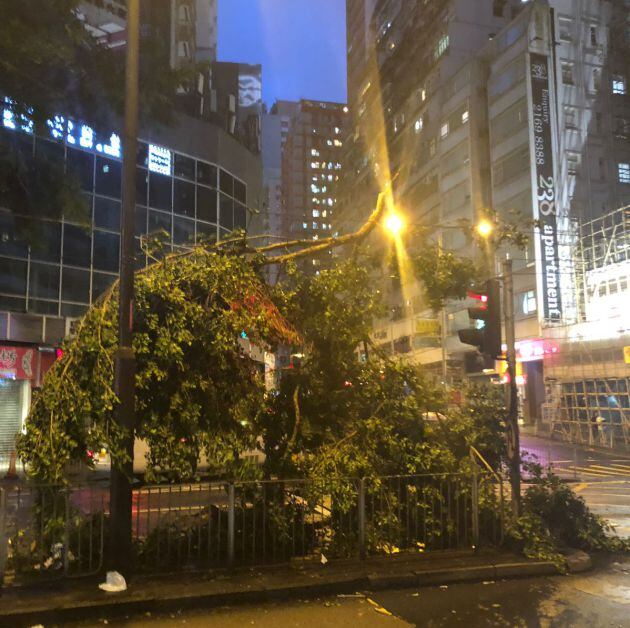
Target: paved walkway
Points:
(81, 599)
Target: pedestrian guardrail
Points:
(52, 532)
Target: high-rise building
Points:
(472, 107)
(312, 169)
(187, 27)
(275, 131)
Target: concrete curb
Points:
(137, 604)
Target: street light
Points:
(484, 228)
(394, 223)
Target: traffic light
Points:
(486, 333)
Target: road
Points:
(601, 477)
(599, 598)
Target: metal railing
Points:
(50, 532)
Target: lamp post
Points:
(124, 376)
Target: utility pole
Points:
(512, 432)
(124, 377)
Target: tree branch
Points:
(328, 243)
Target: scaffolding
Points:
(587, 378)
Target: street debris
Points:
(351, 595)
(378, 608)
(114, 583)
(323, 560)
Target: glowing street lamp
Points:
(395, 224)
(484, 228)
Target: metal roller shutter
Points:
(10, 413)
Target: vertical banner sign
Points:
(545, 193)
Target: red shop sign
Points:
(17, 362)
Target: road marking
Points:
(595, 472)
(625, 467)
(610, 469)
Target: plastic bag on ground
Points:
(114, 583)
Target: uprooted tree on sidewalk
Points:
(197, 392)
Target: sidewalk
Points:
(81, 599)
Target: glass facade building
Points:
(71, 262)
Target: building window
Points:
(622, 128)
(498, 7)
(528, 302)
(570, 118)
(623, 170)
(573, 163)
(442, 46)
(596, 81)
(432, 148)
(465, 116)
(619, 85)
(444, 130)
(565, 25)
(592, 36)
(419, 125)
(567, 73)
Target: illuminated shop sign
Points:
(160, 159)
(544, 189)
(83, 136)
(534, 349)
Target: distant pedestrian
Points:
(599, 421)
(594, 428)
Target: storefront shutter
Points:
(10, 414)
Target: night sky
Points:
(301, 45)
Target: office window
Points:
(43, 282)
(160, 191)
(46, 245)
(100, 283)
(184, 198)
(619, 85)
(75, 285)
(623, 170)
(80, 165)
(226, 182)
(240, 216)
(206, 174)
(592, 36)
(106, 251)
(108, 177)
(567, 73)
(184, 167)
(13, 276)
(240, 191)
(183, 231)
(107, 213)
(226, 212)
(444, 130)
(206, 204)
(77, 246)
(160, 222)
